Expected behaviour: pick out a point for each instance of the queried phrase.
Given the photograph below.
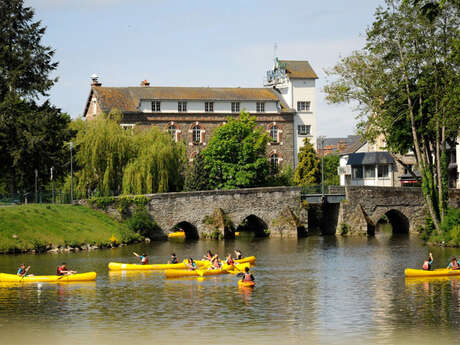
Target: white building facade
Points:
(295, 81)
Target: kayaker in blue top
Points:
(22, 271)
(191, 264)
(144, 258)
(174, 259)
(453, 264)
(428, 262)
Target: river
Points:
(328, 290)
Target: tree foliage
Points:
(111, 159)
(236, 155)
(197, 176)
(32, 136)
(308, 167)
(331, 175)
(406, 84)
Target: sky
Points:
(199, 43)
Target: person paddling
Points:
(191, 264)
(247, 277)
(453, 264)
(144, 258)
(22, 271)
(428, 262)
(215, 263)
(208, 256)
(63, 270)
(238, 254)
(174, 259)
(229, 260)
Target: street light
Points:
(71, 174)
(322, 167)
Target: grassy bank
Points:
(42, 227)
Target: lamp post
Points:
(322, 167)
(71, 174)
(52, 184)
(36, 186)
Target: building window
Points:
(209, 107)
(127, 127)
(382, 171)
(274, 133)
(181, 107)
(235, 107)
(274, 161)
(196, 134)
(260, 107)
(303, 130)
(369, 171)
(173, 132)
(358, 172)
(303, 106)
(156, 106)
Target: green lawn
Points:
(29, 227)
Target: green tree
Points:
(31, 135)
(104, 149)
(308, 171)
(331, 164)
(236, 155)
(405, 82)
(197, 176)
(158, 165)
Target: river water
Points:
(328, 290)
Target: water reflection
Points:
(319, 289)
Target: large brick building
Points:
(284, 108)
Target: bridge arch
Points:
(399, 222)
(254, 224)
(191, 232)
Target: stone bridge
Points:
(279, 211)
(403, 207)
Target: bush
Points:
(142, 222)
(450, 229)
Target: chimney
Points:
(145, 83)
(95, 82)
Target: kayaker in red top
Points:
(453, 264)
(22, 271)
(428, 262)
(229, 259)
(247, 277)
(144, 258)
(63, 270)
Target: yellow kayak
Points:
(177, 234)
(249, 259)
(116, 266)
(242, 284)
(226, 269)
(79, 277)
(441, 272)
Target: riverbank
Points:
(41, 228)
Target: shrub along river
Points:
(329, 290)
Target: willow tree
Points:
(103, 149)
(158, 165)
(403, 82)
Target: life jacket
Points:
(59, 271)
(144, 260)
(239, 256)
(248, 277)
(174, 260)
(230, 262)
(455, 265)
(426, 265)
(21, 270)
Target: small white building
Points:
(361, 165)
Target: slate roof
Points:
(368, 158)
(299, 69)
(354, 146)
(127, 99)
